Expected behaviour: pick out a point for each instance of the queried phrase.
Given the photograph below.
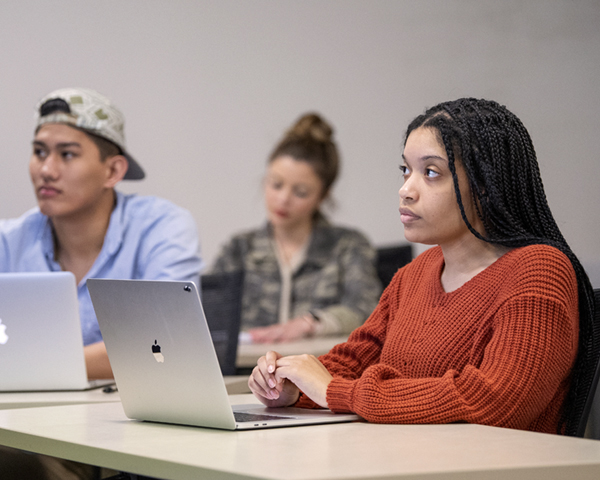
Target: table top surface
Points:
(237, 384)
(100, 434)
(10, 400)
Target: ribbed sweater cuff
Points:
(340, 393)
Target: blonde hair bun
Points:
(311, 125)
(310, 139)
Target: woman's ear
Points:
(116, 168)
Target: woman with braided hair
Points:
(491, 326)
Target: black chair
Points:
(222, 303)
(390, 259)
(589, 382)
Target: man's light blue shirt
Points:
(147, 238)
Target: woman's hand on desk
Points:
(270, 389)
(276, 381)
(295, 329)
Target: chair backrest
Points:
(222, 304)
(390, 259)
(591, 374)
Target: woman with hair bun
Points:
(493, 325)
(302, 275)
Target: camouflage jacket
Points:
(337, 277)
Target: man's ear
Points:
(116, 169)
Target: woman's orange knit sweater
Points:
(496, 351)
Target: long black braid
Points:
(500, 162)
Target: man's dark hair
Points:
(106, 147)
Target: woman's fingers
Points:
(308, 374)
(271, 389)
(263, 381)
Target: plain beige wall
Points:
(208, 87)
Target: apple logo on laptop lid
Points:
(3, 335)
(156, 352)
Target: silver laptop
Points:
(165, 366)
(41, 346)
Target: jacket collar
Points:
(318, 252)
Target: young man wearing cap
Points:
(82, 224)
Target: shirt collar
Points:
(116, 227)
(47, 240)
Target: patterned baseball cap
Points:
(90, 111)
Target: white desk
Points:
(46, 399)
(101, 435)
(235, 385)
(248, 354)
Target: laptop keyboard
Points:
(256, 417)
